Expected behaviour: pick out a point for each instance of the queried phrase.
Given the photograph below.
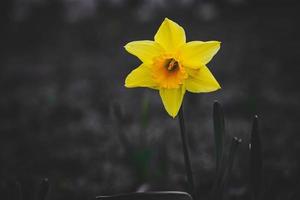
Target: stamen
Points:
(173, 64)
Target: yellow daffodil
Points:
(172, 65)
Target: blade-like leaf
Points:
(43, 189)
(231, 157)
(219, 135)
(255, 161)
(219, 132)
(224, 173)
(164, 195)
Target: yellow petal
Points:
(172, 99)
(201, 80)
(170, 35)
(140, 77)
(145, 50)
(197, 53)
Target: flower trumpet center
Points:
(168, 72)
(172, 64)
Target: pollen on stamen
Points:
(172, 65)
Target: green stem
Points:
(188, 166)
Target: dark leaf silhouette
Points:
(165, 195)
(43, 189)
(255, 161)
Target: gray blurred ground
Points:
(65, 114)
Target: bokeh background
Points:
(66, 115)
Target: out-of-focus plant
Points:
(17, 193)
(223, 165)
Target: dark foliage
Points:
(62, 70)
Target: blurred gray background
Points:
(66, 115)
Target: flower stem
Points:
(188, 166)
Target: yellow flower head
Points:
(172, 65)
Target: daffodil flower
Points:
(172, 65)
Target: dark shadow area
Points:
(66, 115)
